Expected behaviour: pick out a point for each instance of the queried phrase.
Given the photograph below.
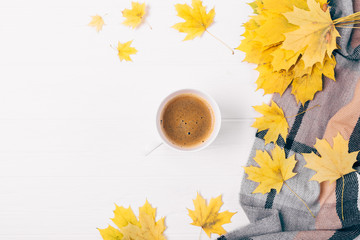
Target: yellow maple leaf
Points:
(134, 16)
(130, 228)
(333, 163)
(147, 229)
(273, 81)
(309, 81)
(269, 35)
(305, 87)
(272, 171)
(273, 120)
(208, 217)
(97, 22)
(315, 37)
(197, 20)
(124, 51)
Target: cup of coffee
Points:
(188, 120)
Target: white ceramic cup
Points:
(217, 119)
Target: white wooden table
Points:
(76, 123)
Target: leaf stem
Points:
(347, 27)
(200, 233)
(351, 17)
(113, 47)
(303, 111)
(232, 50)
(300, 200)
(342, 197)
(348, 23)
(147, 23)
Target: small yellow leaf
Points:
(134, 16)
(272, 172)
(197, 20)
(208, 217)
(97, 22)
(334, 161)
(110, 233)
(315, 37)
(273, 119)
(124, 51)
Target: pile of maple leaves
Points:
(292, 43)
(206, 216)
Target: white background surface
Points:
(76, 123)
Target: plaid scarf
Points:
(282, 215)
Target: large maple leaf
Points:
(135, 15)
(148, 228)
(130, 228)
(272, 171)
(208, 217)
(333, 163)
(197, 20)
(315, 37)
